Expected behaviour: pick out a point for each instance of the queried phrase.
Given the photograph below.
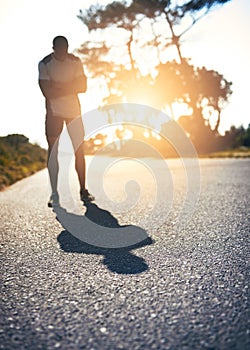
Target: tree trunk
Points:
(218, 121)
(175, 39)
(130, 51)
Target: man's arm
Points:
(50, 89)
(78, 85)
(54, 90)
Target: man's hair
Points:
(58, 40)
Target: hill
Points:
(19, 158)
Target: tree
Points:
(246, 137)
(122, 62)
(15, 140)
(237, 137)
(205, 91)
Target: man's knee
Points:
(79, 151)
(52, 143)
(76, 132)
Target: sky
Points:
(220, 41)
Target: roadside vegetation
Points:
(19, 158)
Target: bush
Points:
(19, 158)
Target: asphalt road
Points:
(183, 287)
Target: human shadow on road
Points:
(100, 226)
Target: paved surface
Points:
(179, 289)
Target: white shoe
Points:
(53, 200)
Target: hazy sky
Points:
(220, 41)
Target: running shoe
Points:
(86, 196)
(53, 200)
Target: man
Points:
(61, 78)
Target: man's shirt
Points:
(62, 72)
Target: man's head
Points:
(60, 47)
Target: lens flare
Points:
(132, 180)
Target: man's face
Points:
(60, 50)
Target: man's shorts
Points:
(54, 126)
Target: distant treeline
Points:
(19, 158)
(205, 141)
(237, 137)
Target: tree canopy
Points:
(135, 47)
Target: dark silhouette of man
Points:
(61, 79)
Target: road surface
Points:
(184, 287)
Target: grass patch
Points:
(241, 152)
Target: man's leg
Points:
(80, 166)
(54, 126)
(52, 162)
(76, 132)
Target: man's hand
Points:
(76, 86)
